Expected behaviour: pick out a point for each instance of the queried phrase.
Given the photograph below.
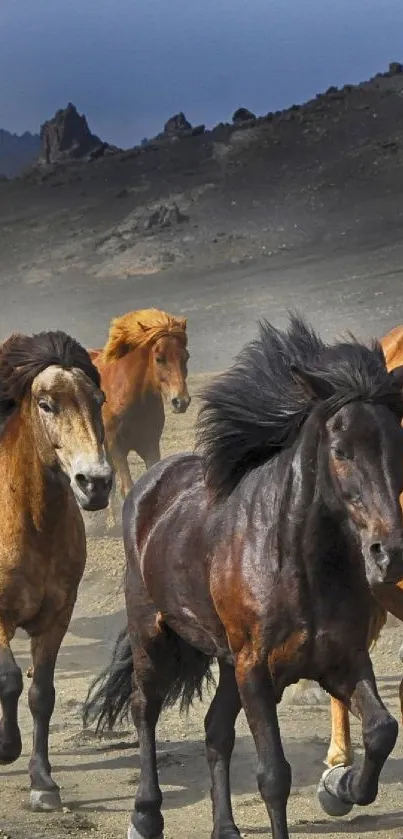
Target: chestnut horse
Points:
(387, 599)
(143, 364)
(259, 552)
(52, 459)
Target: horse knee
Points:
(41, 699)
(274, 782)
(380, 736)
(11, 682)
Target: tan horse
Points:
(143, 365)
(388, 599)
(52, 459)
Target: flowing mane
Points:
(23, 357)
(139, 328)
(257, 408)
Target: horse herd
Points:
(275, 549)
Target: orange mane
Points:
(137, 329)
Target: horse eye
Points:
(160, 359)
(45, 407)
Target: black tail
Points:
(108, 698)
(180, 667)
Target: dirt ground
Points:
(98, 777)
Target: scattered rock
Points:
(177, 124)
(67, 137)
(242, 115)
(165, 215)
(395, 67)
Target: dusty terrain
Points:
(302, 209)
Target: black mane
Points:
(23, 357)
(257, 408)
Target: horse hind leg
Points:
(340, 750)
(169, 670)
(11, 685)
(44, 793)
(219, 726)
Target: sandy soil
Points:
(98, 777)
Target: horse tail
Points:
(182, 669)
(189, 669)
(109, 695)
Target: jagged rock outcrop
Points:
(178, 126)
(67, 137)
(242, 115)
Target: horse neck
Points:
(35, 487)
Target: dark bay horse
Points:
(387, 598)
(260, 552)
(52, 460)
(142, 365)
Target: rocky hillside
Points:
(17, 152)
(327, 174)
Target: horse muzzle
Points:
(180, 404)
(92, 486)
(384, 561)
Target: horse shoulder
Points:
(160, 487)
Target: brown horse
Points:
(260, 553)
(52, 459)
(143, 364)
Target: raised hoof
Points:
(329, 802)
(45, 800)
(132, 833)
(9, 754)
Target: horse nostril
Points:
(176, 402)
(378, 553)
(82, 481)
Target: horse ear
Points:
(182, 323)
(397, 375)
(313, 385)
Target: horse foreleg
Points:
(152, 456)
(122, 471)
(340, 787)
(41, 698)
(274, 772)
(340, 750)
(10, 691)
(220, 738)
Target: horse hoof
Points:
(10, 753)
(132, 833)
(329, 802)
(45, 800)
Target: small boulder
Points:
(395, 67)
(242, 115)
(166, 215)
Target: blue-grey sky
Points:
(130, 64)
